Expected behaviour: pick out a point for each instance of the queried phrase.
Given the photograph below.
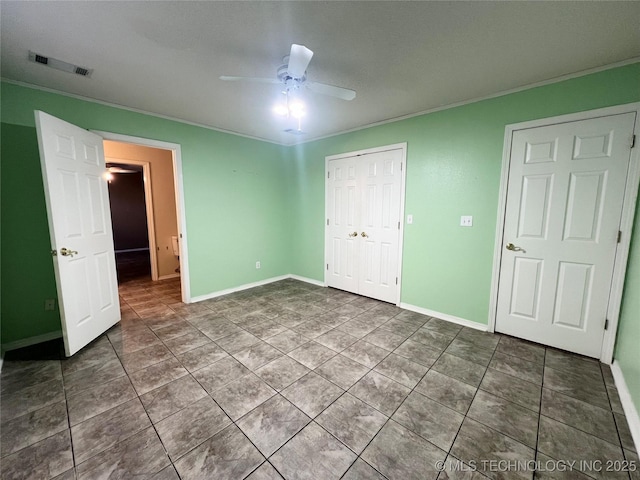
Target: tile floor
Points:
(294, 381)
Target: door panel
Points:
(534, 206)
(564, 203)
(525, 297)
(585, 206)
(96, 204)
(364, 202)
(342, 267)
(573, 295)
(381, 204)
(77, 202)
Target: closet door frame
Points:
(384, 148)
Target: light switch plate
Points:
(409, 219)
(466, 221)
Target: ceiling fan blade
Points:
(227, 78)
(331, 90)
(299, 59)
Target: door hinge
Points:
(328, 174)
(400, 166)
(398, 225)
(633, 141)
(619, 235)
(327, 266)
(327, 222)
(606, 324)
(396, 280)
(54, 253)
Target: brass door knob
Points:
(354, 234)
(364, 235)
(513, 248)
(65, 252)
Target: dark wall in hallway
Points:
(128, 211)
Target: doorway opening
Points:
(145, 213)
(131, 233)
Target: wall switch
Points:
(466, 221)
(409, 219)
(49, 304)
(258, 265)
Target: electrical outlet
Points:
(466, 221)
(49, 304)
(258, 265)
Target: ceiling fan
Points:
(293, 75)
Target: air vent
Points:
(60, 65)
(294, 131)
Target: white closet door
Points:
(364, 197)
(564, 204)
(342, 237)
(380, 184)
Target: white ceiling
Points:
(401, 57)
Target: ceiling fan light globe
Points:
(297, 109)
(281, 110)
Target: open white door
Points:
(77, 199)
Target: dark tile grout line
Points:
(537, 451)
(278, 393)
(345, 391)
(449, 454)
(145, 411)
(311, 420)
(372, 369)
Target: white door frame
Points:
(384, 148)
(179, 191)
(626, 223)
(148, 201)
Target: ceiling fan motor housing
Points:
(284, 77)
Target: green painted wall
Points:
(27, 272)
(627, 351)
(236, 196)
(454, 161)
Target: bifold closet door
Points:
(364, 198)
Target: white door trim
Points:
(179, 189)
(148, 201)
(384, 148)
(626, 223)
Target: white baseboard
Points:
(444, 316)
(246, 286)
(167, 277)
(308, 280)
(627, 403)
(239, 288)
(27, 342)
